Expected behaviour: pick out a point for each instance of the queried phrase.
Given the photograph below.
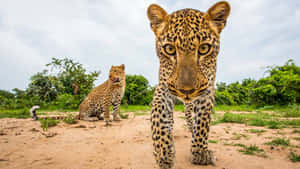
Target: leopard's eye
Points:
(169, 49)
(204, 49)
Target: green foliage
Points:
(296, 138)
(67, 101)
(296, 131)
(46, 123)
(65, 83)
(294, 157)
(257, 119)
(6, 94)
(257, 131)
(137, 91)
(70, 119)
(292, 111)
(279, 142)
(16, 113)
(213, 141)
(281, 86)
(252, 150)
(71, 77)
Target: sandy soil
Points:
(127, 145)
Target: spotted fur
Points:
(187, 45)
(102, 97)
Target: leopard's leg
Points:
(116, 108)
(199, 149)
(189, 115)
(106, 107)
(161, 126)
(100, 112)
(89, 115)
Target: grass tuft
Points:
(70, 119)
(16, 113)
(252, 150)
(294, 157)
(257, 131)
(296, 131)
(238, 136)
(46, 123)
(279, 142)
(213, 141)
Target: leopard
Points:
(101, 98)
(187, 44)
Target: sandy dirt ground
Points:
(127, 145)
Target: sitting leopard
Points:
(187, 45)
(100, 99)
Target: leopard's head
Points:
(187, 44)
(117, 74)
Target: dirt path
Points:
(127, 145)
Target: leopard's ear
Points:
(217, 15)
(158, 18)
(123, 66)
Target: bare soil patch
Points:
(127, 145)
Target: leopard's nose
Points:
(187, 92)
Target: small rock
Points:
(80, 126)
(122, 141)
(49, 134)
(18, 133)
(34, 130)
(2, 133)
(92, 126)
(272, 148)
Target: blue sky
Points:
(99, 34)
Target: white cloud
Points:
(111, 32)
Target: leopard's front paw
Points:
(165, 160)
(116, 118)
(204, 157)
(107, 122)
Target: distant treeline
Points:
(281, 86)
(65, 83)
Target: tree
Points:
(72, 77)
(63, 77)
(280, 86)
(138, 90)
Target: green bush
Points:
(70, 119)
(67, 101)
(46, 123)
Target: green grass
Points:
(135, 108)
(213, 141)
(46, 123)
(238, 136)
(252, 150)
(17, 113)
(256, 119)
(290, 111)
(70, 119)
(179, 107)
(141, 113)
(294, 157)
(279, 142)
(296, 138)
(257, 131)
(235, 108)
(296, 131)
